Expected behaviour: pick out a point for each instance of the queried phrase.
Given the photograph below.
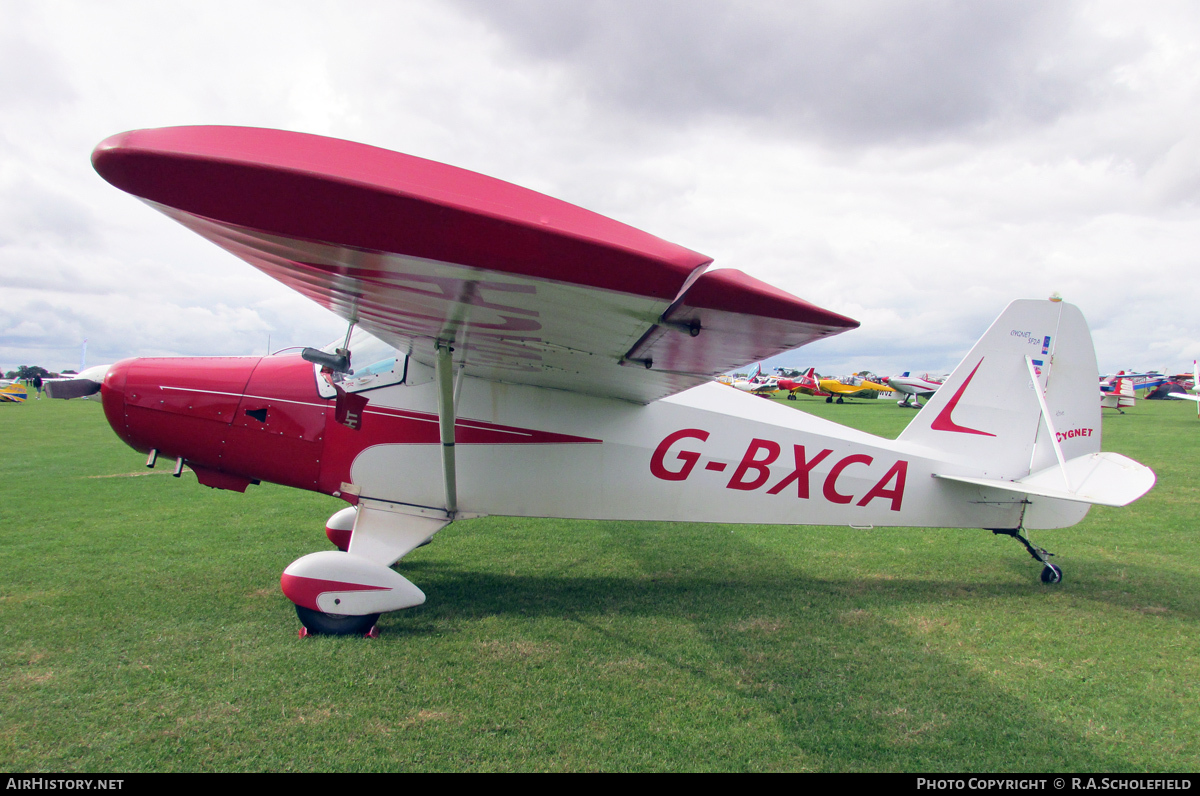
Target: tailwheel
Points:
(1050, 573)
(323, 624)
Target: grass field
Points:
(142, 629)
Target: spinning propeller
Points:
(85, 385)
(72, 388)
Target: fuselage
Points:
(709, 454)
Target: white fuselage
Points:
(709, 454)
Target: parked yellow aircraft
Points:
(860, 385)
(12, 391)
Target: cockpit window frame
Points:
(365, 343)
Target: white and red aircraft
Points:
(756, 383)
(536, 359)
(1117, 391)
(914, 388)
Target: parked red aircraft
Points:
(807, 382)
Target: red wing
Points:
(530, 289)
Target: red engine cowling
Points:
(234, 420)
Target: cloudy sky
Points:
(915, 165)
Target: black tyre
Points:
(335, 624)
(1051, 574)
(829, 399)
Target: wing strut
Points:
(445, 380)
(1062, 463)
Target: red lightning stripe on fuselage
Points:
(944, 421)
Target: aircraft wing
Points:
(527, 289)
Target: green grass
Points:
(142, 629)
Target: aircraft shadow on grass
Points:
(807, 653)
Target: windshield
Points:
(373, 363)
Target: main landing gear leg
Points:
(1050, 573)
(343, 593)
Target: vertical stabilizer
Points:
(987, 416)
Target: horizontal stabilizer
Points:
(1105, 479)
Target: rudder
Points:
(987, 414)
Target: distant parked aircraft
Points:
(1116, 392)
(756, 383)
(1184, 396)
(807, 382)
(12, 392)
(914, 387)
(859, 385)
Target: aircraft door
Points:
(278, 432)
